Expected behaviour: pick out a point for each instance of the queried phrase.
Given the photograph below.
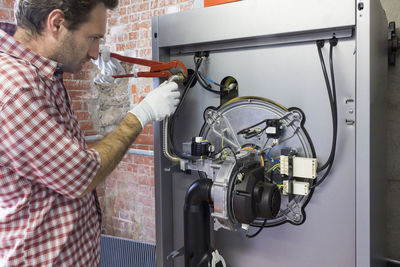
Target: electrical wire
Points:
(173, 119)
(228, 147)
(333, 103)
(268, 157)
(273, 168)
(258, 231)
(202, 81)
(196, 76)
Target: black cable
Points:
(258, 231)
(172, 122)
(320, 44)
(333, 104)
(202, 80)
(197, 64)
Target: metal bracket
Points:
(350, 111)
(176, 253)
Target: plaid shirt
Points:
(45, 165)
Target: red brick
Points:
(112, 21)
(143, 7)
(144, 170)
(144, 160)
(142, 147)
(124, 2)
(146, 180)
(145, 24)
(133, 35)
(154, 4)
(83, 116)
(8, 4)
(110, 181)
(77, 85)
(131, 45)
(124, 20)
(145, 53)
(135, 25)
(144, 190)
(146, 200)
(4, 14)
(145, 15)
(88, 66)
(76, 105)
(90, 132)
(120, 47)
(158, 12)
(144, 34)
(122, 11)
(67, 75)
(185, 7)
(82, 75)
(86, 125)
(85, 106)
(145, 140)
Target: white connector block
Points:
(302, 167)
(299, 188)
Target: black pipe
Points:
(197, 224)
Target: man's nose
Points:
(93, 52)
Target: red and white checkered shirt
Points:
(45, 165)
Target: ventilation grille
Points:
(119, 252)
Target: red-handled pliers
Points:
(157, 68)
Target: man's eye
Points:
(94, 38)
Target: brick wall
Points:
(6, 10)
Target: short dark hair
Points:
(31, 14)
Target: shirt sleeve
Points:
(37, 147)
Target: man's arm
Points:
(113, 147)
(157, 105)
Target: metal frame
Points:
(248, 26)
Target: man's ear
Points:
(54, 21)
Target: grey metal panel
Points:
(370, 176)
(163, 185)
(292, 77)
(254, 18)
(339, 227)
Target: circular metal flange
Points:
(221, 129)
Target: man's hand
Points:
(158, 104)
(108, 67)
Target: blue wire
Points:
(208, 79)
(273, 160)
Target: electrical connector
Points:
(301, 167)
(295, 187)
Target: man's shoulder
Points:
(16, 74)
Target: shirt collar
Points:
(14, 48)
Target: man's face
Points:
(79, 46)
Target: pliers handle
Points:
(158, 69)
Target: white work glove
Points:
(158, 104)
(108, 67)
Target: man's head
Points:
(70, 30)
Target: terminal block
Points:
(293, 166)
(295, 187)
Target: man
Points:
(49, 213)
